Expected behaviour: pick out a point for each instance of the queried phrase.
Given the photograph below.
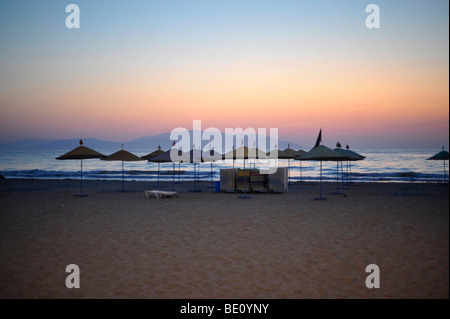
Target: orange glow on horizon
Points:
(339, 97)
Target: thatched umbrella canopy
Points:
(165, 157)
(153, 154)
(322, 153)
(80, 153)
(441, 156)
(123, 156)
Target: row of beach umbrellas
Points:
(159, 156)
(318, 153)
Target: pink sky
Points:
(386, 87)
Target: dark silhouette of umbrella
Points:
(349, 163)
(166, 157)
(153, 154)
(80, 153)
(351, 157)
(322, 153)
(123, 156)
(441, 156)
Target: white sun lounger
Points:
(159, 194)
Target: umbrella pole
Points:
(320, 179)
(212, 182)
(173, 176)
(300, 171)
(123, 178)
(345, 180)
(195, 179)
(289, 171)
(320, 198)
(349, 169)
(193, 190)
(350, 173)
(337, 179)
(179, 171)
(245, 180)
(245, 186)
(344, 173)
(81, 179)
(158, 174)
(444, 171)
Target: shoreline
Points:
(208, 181)
(215, 245)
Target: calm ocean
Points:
(380, 165)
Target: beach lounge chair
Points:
(159, 194)
(243, 180)
(258, 182)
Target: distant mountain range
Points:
(143, 143)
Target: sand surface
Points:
(215, 245)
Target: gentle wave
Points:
(380, 165)
(189, 175)
(398, 176)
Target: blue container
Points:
(217, 186)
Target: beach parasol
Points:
(349, 163)
(153, 154)
(80, 153)
(351, 156)
(165, 158)
(441, 156)
(123, 156)
(322, 153)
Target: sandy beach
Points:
(215, 245)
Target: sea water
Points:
(380, 165)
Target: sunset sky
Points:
(141, 68)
